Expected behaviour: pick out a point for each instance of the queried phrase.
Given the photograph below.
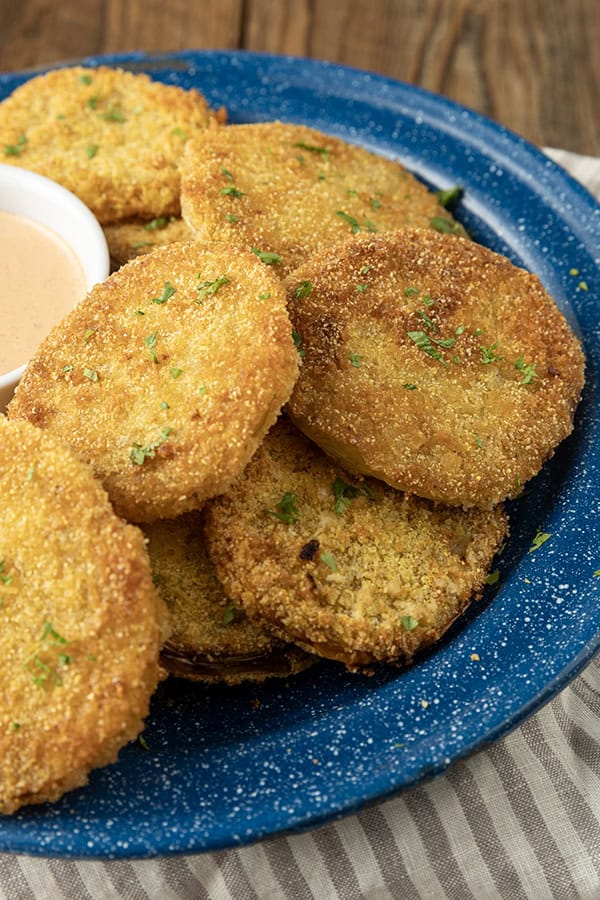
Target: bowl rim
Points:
(96, 265)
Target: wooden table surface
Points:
(533, 65)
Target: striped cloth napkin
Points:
(518, 820)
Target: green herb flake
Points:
(231, 218)
(409, 622)
(150, 344)
(266, 296)
(68, 368)
(139, 453)
(143, 743)
(361, 288)
(426, 320)
(365, 270)
(227, 174)
(411, 291)
(88, 333)
(424, 343)
(167, 293)
(303, 290)
(597, 573)
(298, 343)
(30, 472)
(16, 149)
(286, 510)
(408, 386)
(343, 494)
(91, 150)
(267, 257)
(540, 538)
(489, 355)
(211, 287)
(352, 222)
(229, 615)
(528, 371)
(4, 577)
(328, 559)
(445, 226)
(231, 191)
(164, 405)
(90, 374)
(583, 286)
(113, 114)
(355, 360)
(180, 133)
(156, 224)
(16, 726)
(493, 577)
(312, 148)
(375, 203)
(459, 330)
(51, 635)
(175, 372)
(85, 79)
(449, 197)
(92, 102)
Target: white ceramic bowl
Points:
(42, 200)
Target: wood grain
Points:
(532, 65)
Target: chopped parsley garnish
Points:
(352, 222)
(286, 510)
(312, 148)
(445, 226)
(493, 577)
(343, 494)
(298, 343)
(411, 291)
(180, 133)
(16, 149)
(92, 102)
(540, 538)
(90, 374)
(355, 360)
(303, 290)
(211, 287)
(227, 174)
(168, 292)
(88, 333)
(156, 224)
(143, 742)
(449, 197)
(30, 472)
(231, 218)
(68, 368)
(426, 320)
(423, 342)
(150, 344)
(328, 559)
(113, 115)
(231, 191)
(489, 355)
(4, 578)
(91, 150)
(85, 79)
(267, 257)
(408, 386)
(228, 614)
(139, 453)
(375, 203)
(266, 296)
(175, 372)
(409, 622)
(527, 370)
(361, 288)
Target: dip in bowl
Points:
(52, 252)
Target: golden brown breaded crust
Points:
(112, 137)
(291, 190)
(81, 621)
(135, 237)
(432, 363)
(167, 376)
(351, 570)
(210, 639)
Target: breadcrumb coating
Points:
(136, 237)
(112, 137)
(349, 569)
(81, 621)
(210, 639)
(167, 376)
(432, 363)
(291, 190)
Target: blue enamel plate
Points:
(227, 766)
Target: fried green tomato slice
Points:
(432, 363)
(210, 640)
(286, 191)
(81, 622)
(167, 376)
(112, 137)
(348, 569)
(134, 237)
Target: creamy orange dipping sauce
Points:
(41, 280)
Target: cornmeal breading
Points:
(210, 640)
(135, 237)
(350, 570)
(432, 363)
(290, 190)
(81, 621)
(112, 137)
(167, 376)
